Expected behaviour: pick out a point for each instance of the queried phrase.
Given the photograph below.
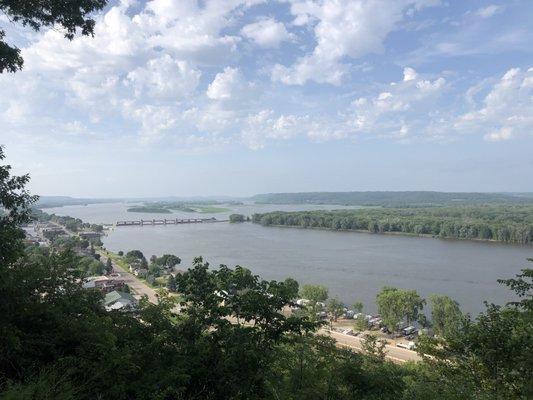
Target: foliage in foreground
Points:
(72, 16)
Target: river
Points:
(354, 266)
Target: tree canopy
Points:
(71, 16)
(396, 305)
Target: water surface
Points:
(354, 266)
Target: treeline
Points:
(507, 224)
(393, 199)
(70, 223)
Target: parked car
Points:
(349, 314)
(409, 330)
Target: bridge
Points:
(165, 221)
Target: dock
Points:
(175, 221)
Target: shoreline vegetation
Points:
(395, 199)
(170, 207)
(511, 224)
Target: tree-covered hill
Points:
(393, 199)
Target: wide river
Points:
(354, 266)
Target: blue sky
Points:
(236, 97)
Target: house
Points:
(103, 283)
(116, 300)
(89, 235)
(90, 282)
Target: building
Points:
(89, 235)
(104, 284)
(116, 300)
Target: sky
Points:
(238, 97)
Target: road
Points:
(139, 287)
(393, 353)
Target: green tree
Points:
(168, 260)
(446, 316)
(361, 323)
(396, 305)
(109, 266)
(292, 288)
(315, 294)
(335, 308)
(136, 256)
(490, 357)
(70, 15)
(374, 346)
(358, 306)
(171, 284)
(236, 218)
(16, 202)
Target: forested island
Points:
(164, 207)
(393, 199)
(501, 223)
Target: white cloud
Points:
(409, 74)
(144, 76)
(397, 112)
(266, 125)
(349, 28)
(164, 77)
(226, 85)
(506, 111)
(497, 136)
(267, 33)
(154, 120)
(489, 11)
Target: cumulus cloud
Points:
(504, 112)
(226, 85)
(350, 28)
(164, 77)
(171, 72)
(409, 74)
(397, 111)
(267, 33)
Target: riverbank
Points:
(407, 234)
(502, 224)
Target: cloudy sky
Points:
(236, 97)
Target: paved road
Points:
(136, 285)
(394, 353)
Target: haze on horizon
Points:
(190, 98)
